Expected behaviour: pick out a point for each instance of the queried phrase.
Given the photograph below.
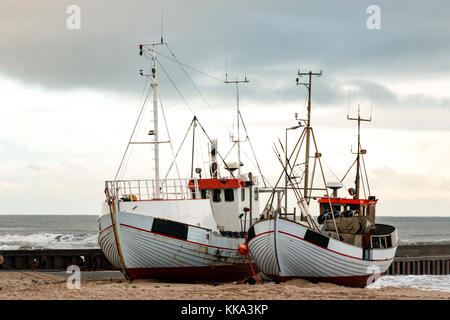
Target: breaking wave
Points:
(47, 241)
(423, 282)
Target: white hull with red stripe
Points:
(284, 249)
(153, 247)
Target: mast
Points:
(155, 131)
(154, 86)
(308, 128)
(238, 115)
(359, 151)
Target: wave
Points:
(423, 282)
(428, 241)
(47, 241)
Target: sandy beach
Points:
(16, 285)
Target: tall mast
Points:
(308, 128)
(238, 140)
(154, 86)
(359, 151)
(155, 131)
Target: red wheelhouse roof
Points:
(346, 201)
(217, 184)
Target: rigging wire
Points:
(333, 172)
(365, 171)
(178, 90)
(201, 95)
(200, 144)
(131, 149)
(128, 158)
(253, 163)
(132, 133)
(188, 66)
(195, 86)
(362, 182)
(182, 142)
(168, 135)
(253, 151)
(218, 153)
(187, 104)
(231, 149)
(348, 170)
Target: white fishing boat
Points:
(180, 229)
(344, 245)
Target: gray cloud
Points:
(38, 47)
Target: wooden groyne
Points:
(421, 259)
(410, 259)
(55, 259)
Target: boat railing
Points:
(139, 190)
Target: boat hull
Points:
(146, 247)
(284, 250)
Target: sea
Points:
(26, 232)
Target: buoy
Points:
(243, 249)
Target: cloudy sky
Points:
(69, 97)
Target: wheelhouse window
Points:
(229, 195)
(203, 194)
(243, 194)
(336, 207)
(216, 195)
(256, 194)
(325, 208)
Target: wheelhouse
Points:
(229, 197)
(347, 207)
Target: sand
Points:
(109, 285)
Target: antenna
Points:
(226, 62)
(245, 63)
(348, 103)
(299, 52)
(238, 140)
(360, 151)
(321, 54)
(162, 12)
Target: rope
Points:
(253, 271)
